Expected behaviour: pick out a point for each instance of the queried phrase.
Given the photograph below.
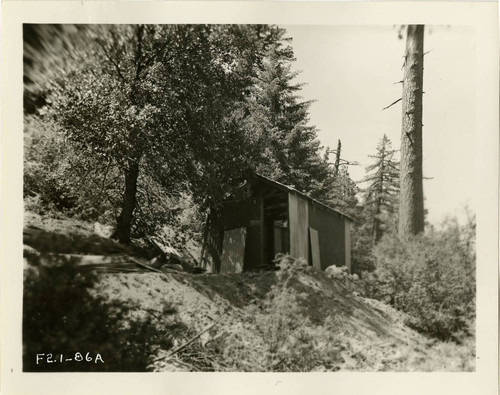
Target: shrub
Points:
(432, 278)
(279, 337)
(60, 179)
(61, 315)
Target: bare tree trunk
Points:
(337, 160)
(124, 221)
(377, 234)
(411, 201)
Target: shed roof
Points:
(290, 189)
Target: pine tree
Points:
(275, 114)
(381, 195)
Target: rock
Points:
(102, 230)
(335, 272)
(29, 251)
(156, 262)
(319, 368)
(198, 270)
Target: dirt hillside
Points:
(294, 319)
(345, 331)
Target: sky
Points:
(350, 72)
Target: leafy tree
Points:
(150, 118)
(157, 103)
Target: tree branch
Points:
(176, 350)
(390, 105)
(117, 67)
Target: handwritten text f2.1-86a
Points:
(61, 358)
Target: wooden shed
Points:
(246, 235)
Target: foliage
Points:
(61, 179)
(274, 111)
(362, 259)
(125, 124)
(61, 315)
(141, 115)
(432, 278)
(343, 194)
(380, 198)
(377, 213)
(285, 340)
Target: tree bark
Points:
(124, 221)
(411, 202)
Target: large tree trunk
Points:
(124, 221)
(411, 201)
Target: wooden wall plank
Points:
(347, 235)
(298, 212)
(253, 240)
(331, 234)
(315, 256)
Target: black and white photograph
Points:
(261, 197)
(184, 211)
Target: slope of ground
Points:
(295, 319)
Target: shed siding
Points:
(233, 251)
(315, 256)
(243, 214)
(253, 249)
(298, 214)
(249, 232)
(347, 232)
(236, 214)
(331, 232)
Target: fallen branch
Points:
(182, 346)
(146, 266)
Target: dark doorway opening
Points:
(276, 236)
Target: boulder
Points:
(335, 272)
(29, 251)
(102, 230)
